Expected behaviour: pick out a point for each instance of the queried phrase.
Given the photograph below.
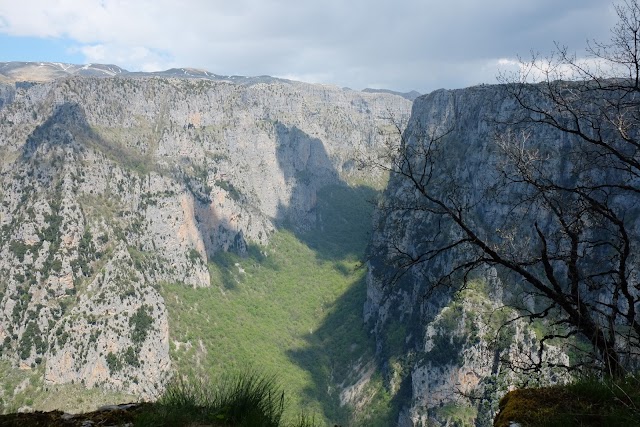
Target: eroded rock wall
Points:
(448, 355)
(112, 186)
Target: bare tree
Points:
(564, 212)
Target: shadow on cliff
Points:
(328, 215)
(335, 220)
(68, 126)
(67, 129)
(340, 353)
(60, 129)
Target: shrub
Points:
(245, 400)
(141, 322)
(113, 363)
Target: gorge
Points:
(183, 223)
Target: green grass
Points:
(291, 309)
(268, 319)
(247, 399)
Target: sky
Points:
(401, 45)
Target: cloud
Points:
(145, 59)
(404, 44)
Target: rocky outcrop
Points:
(448, 354)
(110, 186)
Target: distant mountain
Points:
(47, 71)
(194, 73)
(12, 72)
(411, 96)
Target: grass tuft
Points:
(244, 400)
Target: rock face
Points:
(444, 354)
(110, 186)
(112, 183)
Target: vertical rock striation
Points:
(447, 355)
(112, 186)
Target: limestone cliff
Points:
(110, 186)
(113, 183)
(443, 353)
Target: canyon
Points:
(130, 201)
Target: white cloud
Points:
(537, 69)
(404, 44)
(507, 62)
(144, 58)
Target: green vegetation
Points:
(135, 159)
(86, 254)
(344, 222)
(292, 309)
(587, 402)
(19, 249)
(233, 192)
(140, 322)
(243, 400)
(458, 415)
(248, 400)
(17, 386)
(113, 362)
(32, 336)
(194, 256)
(26, 388)
(269, 317)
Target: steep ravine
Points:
(150, 224)
(112, 188)
(442, 353)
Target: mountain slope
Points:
(450, 354)
(113, 187)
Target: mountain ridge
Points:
(117, 189)
(135, 206)
(27, 71)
